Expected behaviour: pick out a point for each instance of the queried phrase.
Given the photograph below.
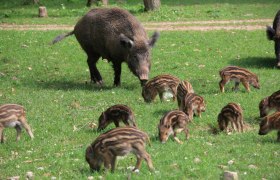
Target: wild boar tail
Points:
(61, 37)
(270, 32)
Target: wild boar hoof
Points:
(278, 64)
(136, 170)
(99, 82)
(117, 84)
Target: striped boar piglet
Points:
(13, 115)
(269, 123)
(115, 114)
(193, 104)
(184, 87)
(238, 74)
(159, 85)
(172, 123)
(118, 142)
(270, 103)
(232, 113)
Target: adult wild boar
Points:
(116, 35)
(273, 33)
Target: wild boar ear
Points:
(104, 115)
(153, 39)
(89, 152)
(167, 126)
(126, 42)
(270, 32)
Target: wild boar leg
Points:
(132, 121)
(175, 135)
(236, 86)
(222, 83)
(190, 113)
(117, 69)
(187, 133)
(161, 97)
(174, 92)
(2, 134)
(94, 73)
(117, 124)
(27, 128)
(141, 153)
(107, 161)
(138, 163)
(18, 128)
(113, 163)
(241, 124)
(246, 85)
(148, 159)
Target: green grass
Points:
(69, 11)
(50, 81)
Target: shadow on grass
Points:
(268, 140)
(154, 138)
(256, 62)
(160, 112)
(70, 85)
(252, 120)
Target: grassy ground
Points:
(50, 81)
(69, 11)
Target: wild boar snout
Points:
(140, 66)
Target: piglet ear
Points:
(167, 126)
(153, 39)
(126, 42)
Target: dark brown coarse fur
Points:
(238, 75)
(270, 122)
(269, 103)
(118, 142)
(273, 33)
(13, 115)
(192, 104)
(116, 113)
(232, 113)
(160, 85)
(183, 88)
(116, 35)
(172, 123)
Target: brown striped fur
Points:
(238, 74)
(269, 123)
(118, 142)
(193, 104)
(269, 103)
(184, 87)
(115, 114)
(232, 113)
(171, 123)
(13, 115)
(159, 85)
(263, 107)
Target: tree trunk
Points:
(151, 5)
(104, 2)
(36, 1)
(43, 11)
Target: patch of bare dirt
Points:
(249, 24)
